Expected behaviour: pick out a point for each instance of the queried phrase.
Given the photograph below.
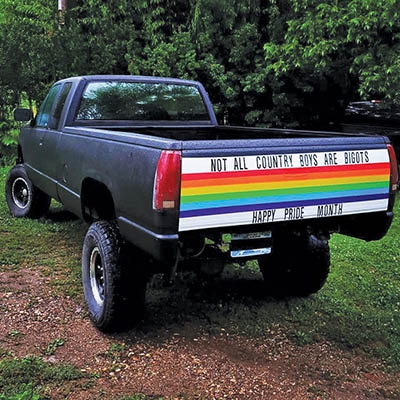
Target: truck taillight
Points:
(394, 171)
(167, 181)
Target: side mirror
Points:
(23, 114)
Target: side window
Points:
(44, 113)
(56, 114)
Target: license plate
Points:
(251, 235)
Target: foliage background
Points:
(264, 62)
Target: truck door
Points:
(46, 135)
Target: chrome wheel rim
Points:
(97, 276)
(20, 193)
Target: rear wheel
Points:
(114, 289)
(298, 266)
(23, 198)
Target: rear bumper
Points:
(164, 248)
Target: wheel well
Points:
(97, 202)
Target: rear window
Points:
(138, 101)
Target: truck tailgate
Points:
(248, 186)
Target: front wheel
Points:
(23, 198)
(299, 266)
(114, 291)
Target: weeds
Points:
(15, 333)
(53, 346)
(115, 352)
(27, 378)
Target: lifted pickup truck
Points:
(163, 187)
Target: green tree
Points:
(228, 36)
(162, 43)
(263, 62)
(95, 36)
(331, 52)
(27, 64)
(27, 60)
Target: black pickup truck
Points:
(163, 187)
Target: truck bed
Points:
(220, 132)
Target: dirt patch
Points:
(181, 360)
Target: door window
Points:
(50, 111)
(44, 113)
(56, 114)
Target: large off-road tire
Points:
(114, 288)
(23, 198)
(298, 266)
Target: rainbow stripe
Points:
(233, 195)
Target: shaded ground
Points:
(180, 355)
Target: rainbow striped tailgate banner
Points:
(256, 189)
